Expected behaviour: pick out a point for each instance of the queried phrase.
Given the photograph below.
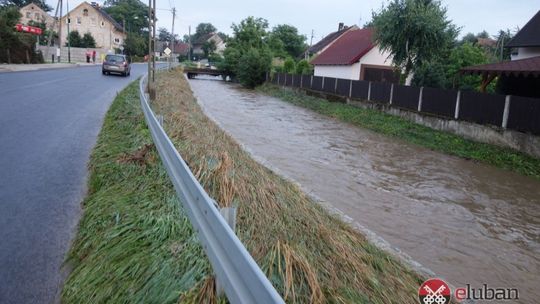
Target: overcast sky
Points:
(323, 16)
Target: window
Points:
(79, 21)
(117, 40)
(28, 15)
(102, 23)
(85, 12)
(69, 20)
(36, 15)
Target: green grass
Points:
(134, 243)
(394, 126)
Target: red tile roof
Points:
(525, 67)
(348, 49)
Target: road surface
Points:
(49, 122)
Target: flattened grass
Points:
(394, 126)
(134, 243)
(309, 255)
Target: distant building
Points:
(33, 13)
(91, 18)
(211, 37)
(354, 56)
(328, 40)
(521, 75)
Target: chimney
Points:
(94, 4)
(340, 27)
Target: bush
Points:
(304, 68)
(289, 66)
(254, 64)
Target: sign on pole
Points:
(167, 52)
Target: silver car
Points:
(116, 63)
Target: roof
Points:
(181, 48)
(529, 35)
(347, 49)
(204, 38)
(108, 17)
(327, 40)
(522, 67)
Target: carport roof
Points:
(348, 48)
(522, 67)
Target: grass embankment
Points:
(309, 255)
(134, 244)
(401, 128)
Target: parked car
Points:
(116, 63)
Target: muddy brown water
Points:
(470, 223)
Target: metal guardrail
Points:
(242, 279)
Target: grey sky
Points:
(323, 16)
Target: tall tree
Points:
(203, 29)
(414, 32)
(133, 12)
(293, 43)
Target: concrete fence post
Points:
(292, 80)
(420, 99)
(458, 98)
(506, 111)
(391, 93)
(322, 85)
(229, 214)
(301, 81)
(335, 85)
(311, 82)
(369, 91)
(350, 89)
(278, 78)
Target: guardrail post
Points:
(229, 214)
(160, 119)
(506, 111)
(458, 98)
(420, 99)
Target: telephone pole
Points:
(51, 38)
(172, 36)
(151, 33)
(59, 49)
(189, 44)
(68, 21)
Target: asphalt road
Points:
(49, 122)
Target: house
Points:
(91, 18)
(198, 46)
(354, 56)
(521, 75)
(527, 40)
(322, 45)
(32, 13)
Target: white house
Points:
(527, 41)
(209, 38)
(354, 56)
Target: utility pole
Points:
(149, 79)
(68, 21)
(189, 44)
(310, 44)
(154, 44)
(172, 36)
(50, 42)
(59, 49)
(124, 35)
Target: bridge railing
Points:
(236, 271)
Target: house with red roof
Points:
(328, 40)
(354, 56)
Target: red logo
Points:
(434, 291)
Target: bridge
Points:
(192, 72)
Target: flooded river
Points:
(470, 223)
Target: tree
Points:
(88, 41)
(74, 39)
(293, 43)
(289, 66)
(134, 12)
(16, 47)
(303, 67)
(203, 29)
(209, 47)
(460, 57)
(247, 55)
(414, 32)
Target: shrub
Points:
(289, 66)
(253, 66)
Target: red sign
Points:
(28, 29)
(434, 291)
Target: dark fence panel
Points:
(406, 97)
(360, 89)
(481, 108)
(274, 78)
(296, 80)
(380, 91)
(524, 114)
(306, 81)
(329, 85)
(343, 87)
(288, 80)
(440, 102)
(317, 83)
